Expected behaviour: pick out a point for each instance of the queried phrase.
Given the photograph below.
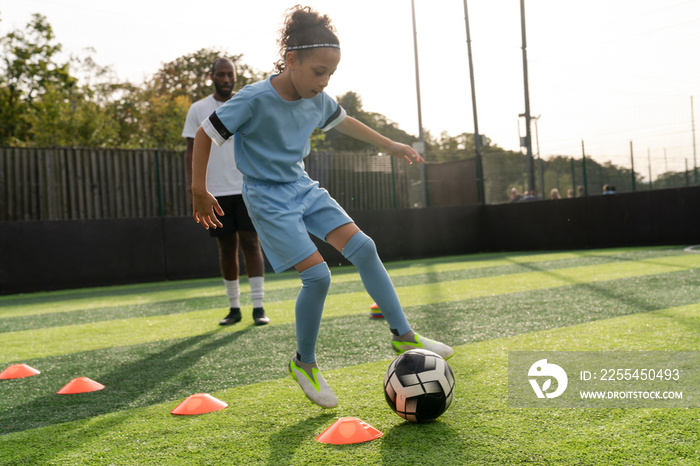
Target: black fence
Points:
(36, 256)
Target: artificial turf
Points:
(152, 345)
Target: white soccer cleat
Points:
(420, 342)
(313, 385)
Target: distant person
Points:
(580, 191)
(272, 122)
(554, 194)
(225, 182)
(570, 194)
(515, 196)
(608, 189)
(530, 196)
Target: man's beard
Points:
(221, 92)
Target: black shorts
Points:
(236, 216)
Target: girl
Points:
(271, 122)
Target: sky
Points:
(602, 73)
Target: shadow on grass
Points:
(177, 306)
(160, 308)
(106, 292)
(137, 382)
(691, 323)
(430, 443)
(103, 314)
(66, 439)
(629, 300)
(284, 443)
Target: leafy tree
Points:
(10, 111)
(28, 69)
(448, 148)
(60, 118)
(189, 75)
(352, 103)
(126, 107)
(28, 62)
(673, 179)
(80, 103)
(163, 121)
(167, 97)
(78, 115)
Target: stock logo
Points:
(545, 372)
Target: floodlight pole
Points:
(651, 184)
(539, 159)
(585, 176)
(528, 136)
(421, 137)
(695, 159)
(480, 194)
(634, 180)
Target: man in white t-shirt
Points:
(225, 182)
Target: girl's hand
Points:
(406, 152)
(204, 207)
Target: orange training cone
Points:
(349, 430)
(375, 312)
(17, 371)
(80, 385)
(200, 403)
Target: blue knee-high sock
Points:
(315, 282)
(362, 252)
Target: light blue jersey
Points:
(271, 140)
(271, 135)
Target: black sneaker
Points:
(259, 316)
(233, 317)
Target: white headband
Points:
(311, 46)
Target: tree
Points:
(163, 120)
(126, 107)
(448, 148)
(673, 180)
(189, 75)
(28, 69)
(61, 118)
(168, 96)
(352, 103)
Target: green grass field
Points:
(153, 345)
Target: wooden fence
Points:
(67, 183)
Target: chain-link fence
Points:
(508, 177)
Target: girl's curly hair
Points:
(304, 26)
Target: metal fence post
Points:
(159, 187)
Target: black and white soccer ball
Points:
(419, 385)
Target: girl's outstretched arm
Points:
(203, 203)
(358, 130)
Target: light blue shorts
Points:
(285, 213)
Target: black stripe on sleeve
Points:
(219, 126)
(335, 115)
